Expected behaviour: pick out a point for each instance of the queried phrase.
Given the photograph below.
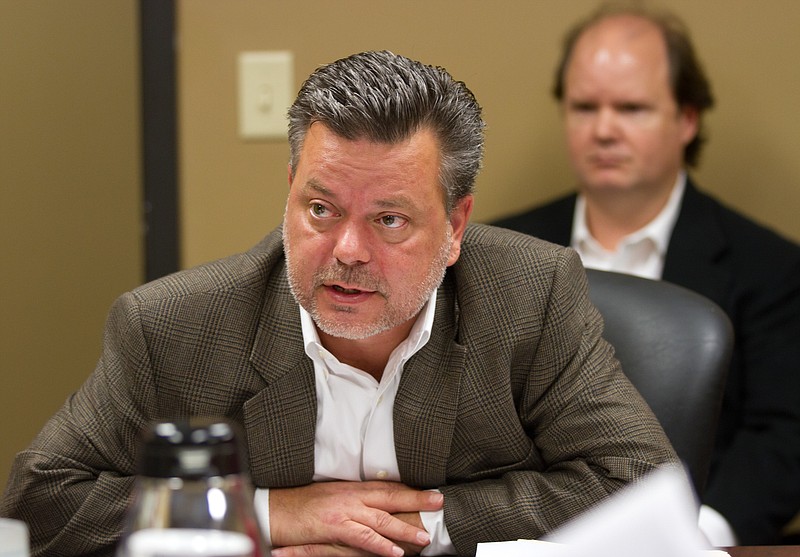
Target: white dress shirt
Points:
(642, 253)
(354, 438)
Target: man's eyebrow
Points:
(399, 201)
(395, 202)
(314, 185)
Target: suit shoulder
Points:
(492, 237)
(494, 252)
(245, 270)
(506, 276)
(750, 237)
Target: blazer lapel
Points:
(280, 420)
(696, 248)
(426, 405)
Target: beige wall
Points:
(69, 197)
(233, 192)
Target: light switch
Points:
(266, 82)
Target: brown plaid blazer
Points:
(516, 408)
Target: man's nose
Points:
(605, 125)
(352, 244)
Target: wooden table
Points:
(764, 551)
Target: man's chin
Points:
(348, 331)
(347, 323)
(608, 185)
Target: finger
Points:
(381, 525)
(394, 500)
(361, 536)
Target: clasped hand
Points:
(350, 519)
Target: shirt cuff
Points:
(261, 503)
(433, 521)
(715, 528)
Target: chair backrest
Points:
(675, 347)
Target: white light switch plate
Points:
(266, 86)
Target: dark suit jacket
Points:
(754, 275)
(515, 408)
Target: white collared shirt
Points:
(354, 438)
(640, 253)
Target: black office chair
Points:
(675, 346)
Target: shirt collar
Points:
(657, 230)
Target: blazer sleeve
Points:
(586, 430)
(71, 486)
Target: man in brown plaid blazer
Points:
(509, 414)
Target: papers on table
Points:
(656, 517)
(540, 548)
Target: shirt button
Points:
(382, 474)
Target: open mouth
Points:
(346, 290)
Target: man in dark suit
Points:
(632, 95)
(407, 382)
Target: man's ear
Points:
(289, 174)
(690, 123)
(459, 218)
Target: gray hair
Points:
(384, 97)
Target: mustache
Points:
(353, 276)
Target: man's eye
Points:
(319, 210)
(631, 108)
(392, 221)
(582, 107)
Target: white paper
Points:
(541, 548)
(656, 517)
(522, 548)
